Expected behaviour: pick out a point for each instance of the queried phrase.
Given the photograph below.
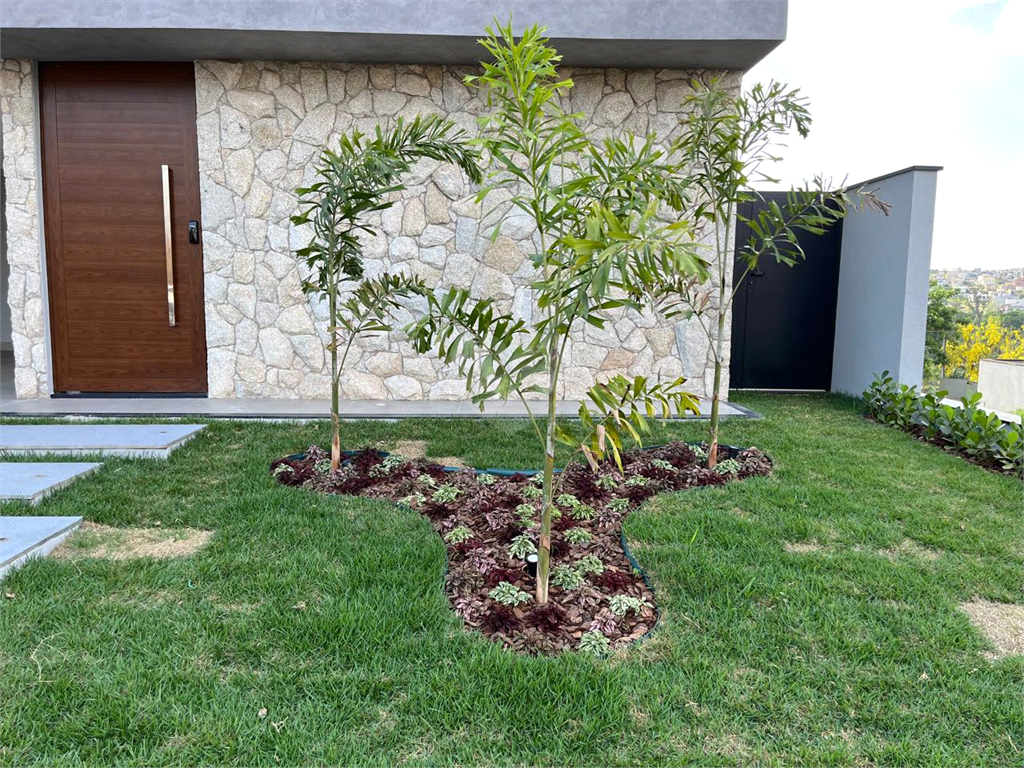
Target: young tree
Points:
(725, 144)
(944, 314)
(350, 184)
(601, 246)
(973, 343)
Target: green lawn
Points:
(841, 655)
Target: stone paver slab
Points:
(22, 538)
(154, 441)
(31, 481)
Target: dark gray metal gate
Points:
(784, 318)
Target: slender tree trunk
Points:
(719, 337)
(544, 544)
(713, 438)
(335, 381)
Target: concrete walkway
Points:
(150, 441)
(32, 480)
(22, 538)
(270, 408)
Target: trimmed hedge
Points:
(970, 430)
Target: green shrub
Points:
(969, 429)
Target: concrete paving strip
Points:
(31, 481)
(22, 538)
(151, 441)
(281, 409)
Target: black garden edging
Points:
(479, 519)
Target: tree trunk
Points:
(544, 544)
(335, 382)
(713, 427)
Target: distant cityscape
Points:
(988, 290)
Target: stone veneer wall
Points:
(261, 128)
(25, 285)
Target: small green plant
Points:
(508, 593)
(522, 546)
(727, 467)
(567, 500)
(566, 577)
(607, 482)
(700, 452)
(486, 478)
(282, 469)
(579, 536)
(446, 493)
(637, 481)
(662, 464)
(526, 514)
(532, 493)
(390, 463)
(619, 505)
(594, 643)
(620, 605)
(537, 480)
(323, 466)
(583, 512)
(458, 535)
(414, 500)
(426, 480)
(590, 564)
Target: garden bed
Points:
(599, 598)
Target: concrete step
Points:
(22, 538)
(31, 481)
(151, 441)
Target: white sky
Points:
(916, 82)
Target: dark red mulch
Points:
(480, 561)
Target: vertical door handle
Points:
(168, 244)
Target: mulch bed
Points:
(596, 596)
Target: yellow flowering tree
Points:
(977, 341)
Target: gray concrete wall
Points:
(1001, 383)
(676, 34)
(883, 283)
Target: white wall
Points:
(882, 309)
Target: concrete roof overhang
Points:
(683, 34)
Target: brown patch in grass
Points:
(728, 745)
(105, 542)
(411, 449)
(802, 547)
(1002, 624)
(450, 461)
(909, 547)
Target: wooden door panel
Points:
(107, 129)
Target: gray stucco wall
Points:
(678, 34)
(882, 310)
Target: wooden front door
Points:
(121, 207)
